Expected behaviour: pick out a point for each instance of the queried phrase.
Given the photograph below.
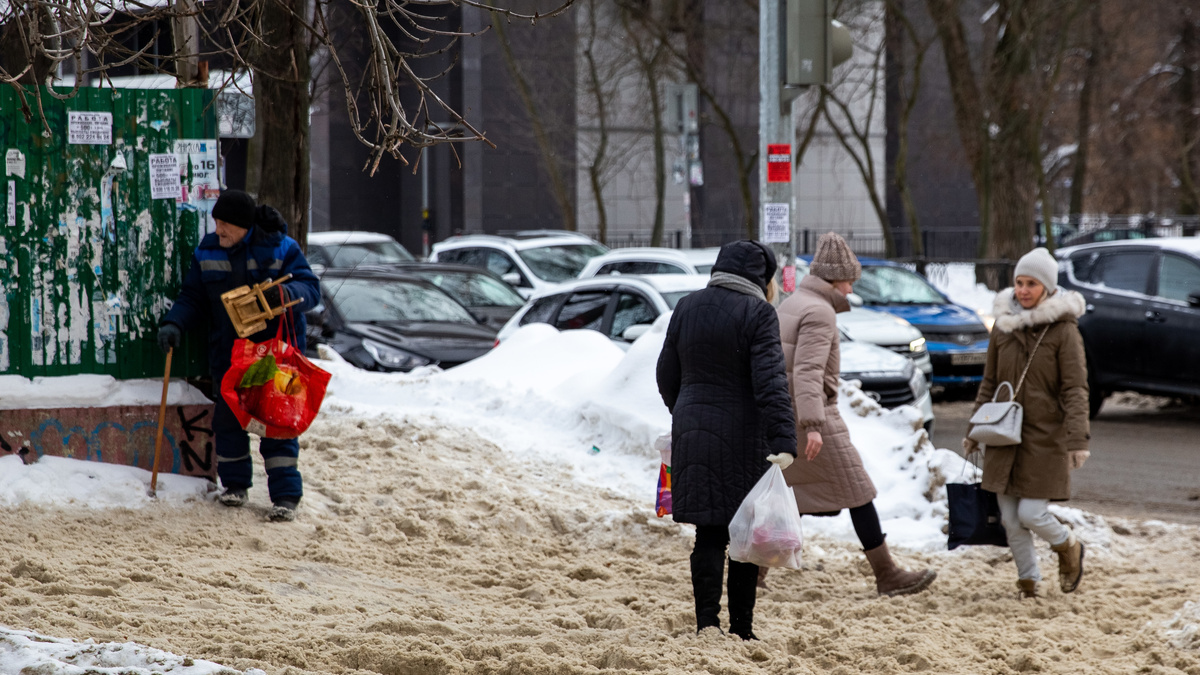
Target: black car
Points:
(484, 293)
(1142, 317)
(391, 321)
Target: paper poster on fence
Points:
(777, 228)
(198, 171)
(164, 176)
(89, 128)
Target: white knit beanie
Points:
(1040, 265)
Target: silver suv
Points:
(529, 262)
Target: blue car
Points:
(955, 336)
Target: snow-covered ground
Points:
(537, 459)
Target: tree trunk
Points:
(281, 93)
(1086, 92)
(1189, 119)
(1014, 185)
(660, 159)
(545, 146)
(596, 166)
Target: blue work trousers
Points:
(280, 457)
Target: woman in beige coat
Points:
(1036, 348)
(829, 474)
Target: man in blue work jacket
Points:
(250, 246)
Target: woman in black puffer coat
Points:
(721, 373)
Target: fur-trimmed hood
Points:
(1010, 316)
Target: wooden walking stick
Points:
(162, 418)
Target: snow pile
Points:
(58, 481)
(1183, 630)
(957, 281)
(571, 400)
(90, 391)
(26, 652)
(560, 397)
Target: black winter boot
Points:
(708, 566)
(743, 590)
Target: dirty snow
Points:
(498, 518)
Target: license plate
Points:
(968, 358)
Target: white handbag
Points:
(998, 423)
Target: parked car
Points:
(882, 329)
(1059, 230)
(484, 293)
(621, 307)
(391, 321)
(1106, 234)
(529, 262)
(890, 332)
(347, 250)
(955, 336)
(888, 378)
(1142, 315)
(651, 260)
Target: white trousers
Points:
(1023, 518)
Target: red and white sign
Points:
(779, 163)
(789, 279)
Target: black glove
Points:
(169, 337)
(273, 296)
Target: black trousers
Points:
(708, 567)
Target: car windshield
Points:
(560, 262)
(886, 285)
(351, 255)
(475, 290)
(391, 300)
(674, 297)
(705, 268)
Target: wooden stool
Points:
(248, 308)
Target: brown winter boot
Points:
(1070, 563)
(1027, 588)
(891, 579)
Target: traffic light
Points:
(813, 43)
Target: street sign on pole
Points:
(779, 163)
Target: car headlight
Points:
(917, 346)
(392, 358)
(916, 382)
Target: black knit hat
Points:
(748, 259)
(236, 208)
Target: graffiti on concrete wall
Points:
(115, 435)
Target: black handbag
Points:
(974, 517)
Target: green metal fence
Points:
(90, 255)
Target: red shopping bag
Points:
(272, 389)
(662, 505)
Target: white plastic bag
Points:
(663, 445)
(766, 528)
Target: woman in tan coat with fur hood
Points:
(1036, 347)
(828, 475)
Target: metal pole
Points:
(775, 126)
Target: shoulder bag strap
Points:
(1030, 361)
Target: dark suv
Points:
(1141, 328)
